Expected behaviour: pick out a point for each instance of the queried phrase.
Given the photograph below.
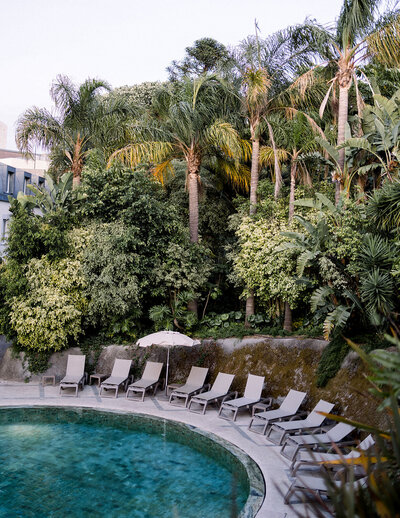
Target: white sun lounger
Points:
(218, 392)
(307, 459)
(297, 442)
(75, 374)
(149, 380)
(289, 407)
(317, 486)
(119, 376)
(278, 431)
(252, 395)
(194, 385)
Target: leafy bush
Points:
(262, 265)
(112, 269)
(331, 360)
(49, 315)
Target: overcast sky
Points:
(122, 41)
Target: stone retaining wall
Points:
(285, 362)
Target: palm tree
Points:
(71, 130)
(266, 68)
(188, 125)
(357, 37)
(298, 139)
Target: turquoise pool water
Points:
(82, 463)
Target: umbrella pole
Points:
(166, 374)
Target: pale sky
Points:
(124, 42)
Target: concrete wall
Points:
(4, 345)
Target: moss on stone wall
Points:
(287, 363)
(284, 366)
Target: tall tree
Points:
(359, 35)
(267, 67)
(295, 138)
(205, 56)
(191, 125)
(75, 125)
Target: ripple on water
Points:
(56, 462)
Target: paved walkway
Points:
(273, 466)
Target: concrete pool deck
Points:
(273, 466)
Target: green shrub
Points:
(331, 360)
(49, 315)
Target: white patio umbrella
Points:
(167, 339)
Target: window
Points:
(27, 181)
(40, 181)
(10, 182)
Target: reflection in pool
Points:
(78, 462)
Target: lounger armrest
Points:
(267, 401)
(230, 395)
(343, 444)
(205, 388)
(307, 431)
(300, 415)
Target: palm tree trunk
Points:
(193, 187)
(342, 121)
(193, 164)
(287, 321)
(293, 171)
(249, 307)
(255, 152)
(278, 174)
(77, 162)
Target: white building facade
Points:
(15, 175)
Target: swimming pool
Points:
(82, 462)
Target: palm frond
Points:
(267, 155)
(223, 135)
(337, 320)
(304, 82)
(384, 206)
(319, 297)
(37, 127)
(304, 260)
(135, 153)
(325, 101)
(237, 174)
(384, 43)
(356, 16)
(163, 171)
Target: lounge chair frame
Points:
(326, 460)
(140, 387)
(316, 486)
(75, 362)
(278, 432)
(194, 385)
(321, 438)
(289, 408)
(252, 395)
(114, 382)
(218, 393)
